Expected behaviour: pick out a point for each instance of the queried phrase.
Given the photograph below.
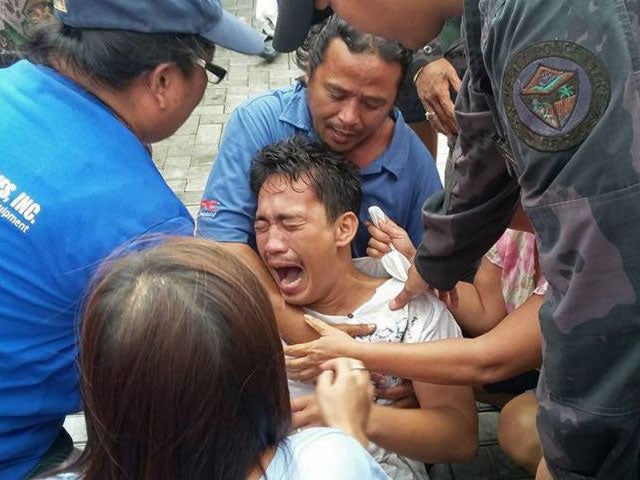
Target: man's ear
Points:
(159, 82)
(345, 228)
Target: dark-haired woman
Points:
(183, 377)
(76, 181)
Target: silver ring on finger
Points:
(429, 115)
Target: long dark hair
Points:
(182, 367)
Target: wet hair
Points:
(113, 58)
(335, 181)
(182, 367)
(311, 52)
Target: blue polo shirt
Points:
(75, 184)
(398, 181)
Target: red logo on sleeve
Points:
(209, 205)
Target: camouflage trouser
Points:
(566, 78)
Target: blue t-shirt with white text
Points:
(75, 184)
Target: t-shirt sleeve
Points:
(494, 255)
(541, 286)
(228, 206)
(429, 319)
(337, 455)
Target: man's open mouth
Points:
(288, 277)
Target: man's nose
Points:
(350, 113)
(275, 244)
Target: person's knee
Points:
(517, 434)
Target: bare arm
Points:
(444, 429)
(481, 304)
(291, 324)
(512, 347)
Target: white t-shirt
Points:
(423, 319)
(313, 454)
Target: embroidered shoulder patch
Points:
(554, 93)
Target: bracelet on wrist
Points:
(417, 74)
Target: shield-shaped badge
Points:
(551, 95)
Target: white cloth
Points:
(267, 15)
(423, 319)
(313, 454)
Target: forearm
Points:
(291, 324)
(512, 347)
(470, 312)
(432, 435)
(445, 362)
(481, 305)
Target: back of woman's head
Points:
(182, 367)
(113, 58)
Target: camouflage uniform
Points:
(549, 112)
(17, 19)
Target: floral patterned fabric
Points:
(514, 252)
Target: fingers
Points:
(434, 91)
(438, 126)
(414, 285)
(344, 396)
(395, 393)
(380, 241)
(378, 232)
(325, 379)
(358, 330)
(401, 300)
(303, 368)
(444, 120)
(307, 375)
(318, 325)
(324, 329)
(376, 248)
(305, 412)
(453, 78)
(449, 297)
(300, 403)
(345, 368)
(300, 350)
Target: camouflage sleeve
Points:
(18, 18)
(480, 196)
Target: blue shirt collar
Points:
(394, 158)
(296, 111)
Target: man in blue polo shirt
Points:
(352, 83)
(76, 182)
